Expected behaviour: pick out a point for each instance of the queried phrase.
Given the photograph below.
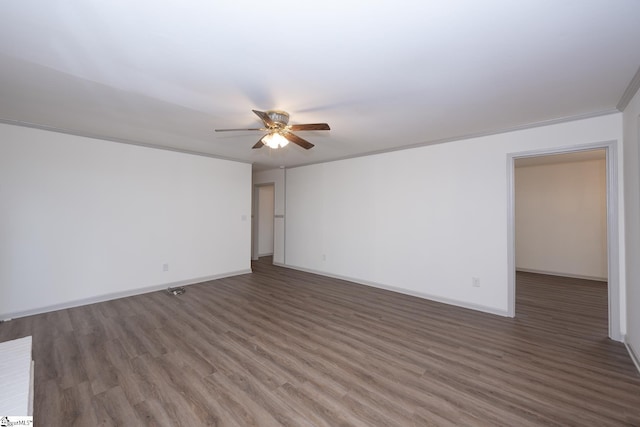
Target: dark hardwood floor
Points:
(283, 347)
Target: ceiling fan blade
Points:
(230, 130)
(259, 144)
(265, 118)
(311, 126)
(297, 140)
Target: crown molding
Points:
(112, 139)
(471, 136)
(369, 153)
(630, 91)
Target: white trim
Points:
(118, 140)
(257, 167)
(284, 225)
(255, 191)
(468, 136)
(511, 239)
(632, 354)
(123, 294)
(32, 387)
(613, 258)
(630, 91)
(471, 306)
(555, 273)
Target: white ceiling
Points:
(383, 74)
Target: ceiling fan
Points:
(279, 132)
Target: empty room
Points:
(345, 213)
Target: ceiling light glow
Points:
(275, 140)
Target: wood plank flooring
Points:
(285, 348)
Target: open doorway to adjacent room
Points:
(263, 224)
(562, 256)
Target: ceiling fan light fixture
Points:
(279, 132)
(275, 140)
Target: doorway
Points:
(608, 267)
(263, 230)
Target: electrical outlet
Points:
(324, 257)
(165, 267)
(475, 282)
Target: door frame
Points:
(613, 256)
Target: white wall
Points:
(632, 205)
(561, 219)
(265, 220)
(84, 219)
(277, 178)
(424, 220)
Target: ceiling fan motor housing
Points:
(279, 117)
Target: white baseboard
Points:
(632, 354)
(462, 304)
(117, 295)
(555, 273)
